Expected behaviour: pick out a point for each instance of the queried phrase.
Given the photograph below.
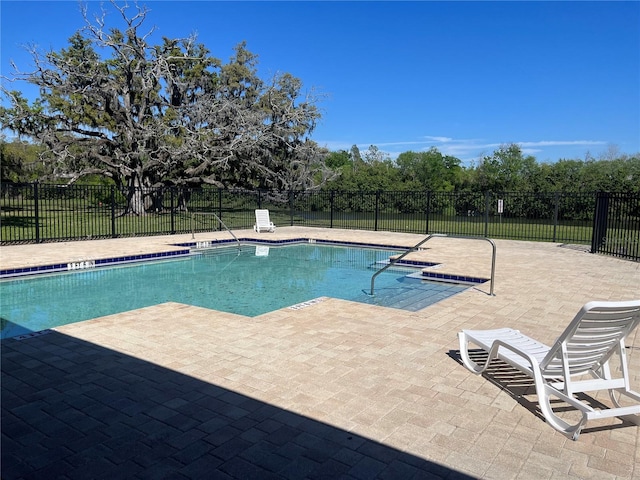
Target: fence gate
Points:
(616, 225)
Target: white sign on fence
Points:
(500, 206)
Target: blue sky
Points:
(559, 78)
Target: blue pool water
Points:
(248, 281)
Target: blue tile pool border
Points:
(197, 245)
(88, 264)
(290, 241)
(202, 244)
(448, 277)
(109, 262)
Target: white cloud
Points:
(439, 139)
(555, 143)
(469, 150)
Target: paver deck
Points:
(333, 390)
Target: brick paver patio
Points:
(333, 390)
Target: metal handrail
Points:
(193, 236)
(393, 261)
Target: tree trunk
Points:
(135, 197)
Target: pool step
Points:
(447, 277)
(426, 273)
(411, 294)
(407, 263)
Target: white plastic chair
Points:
(594, 336)
(263, 222)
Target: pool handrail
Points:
(393, 261)
(193, 235)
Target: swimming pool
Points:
(249, 281)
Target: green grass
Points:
(18, 225)
(516, 229)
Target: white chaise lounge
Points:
(263, 222)
(594, 337)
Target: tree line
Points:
(507, 169)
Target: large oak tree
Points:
(149, 115)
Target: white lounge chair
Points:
(263, 222)
(594, 336)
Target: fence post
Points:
(600, 220)
(36, 210)
(292, 196)
(487, 206)
(555, 215)
(113, 211)
(219, 208)
(331, 203)
(172, 189)
(375, 224)
(427, 213)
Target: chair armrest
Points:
(495, 353)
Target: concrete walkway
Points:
(333, 390)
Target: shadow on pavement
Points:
(73, 409)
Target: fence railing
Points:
(609, 223)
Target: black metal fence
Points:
(610, 223)
(616, 225)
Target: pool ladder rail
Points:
(393, 261)
(193, 234)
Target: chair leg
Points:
(604, 372)
(545, 392)
(466, 360)
(632, 418)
